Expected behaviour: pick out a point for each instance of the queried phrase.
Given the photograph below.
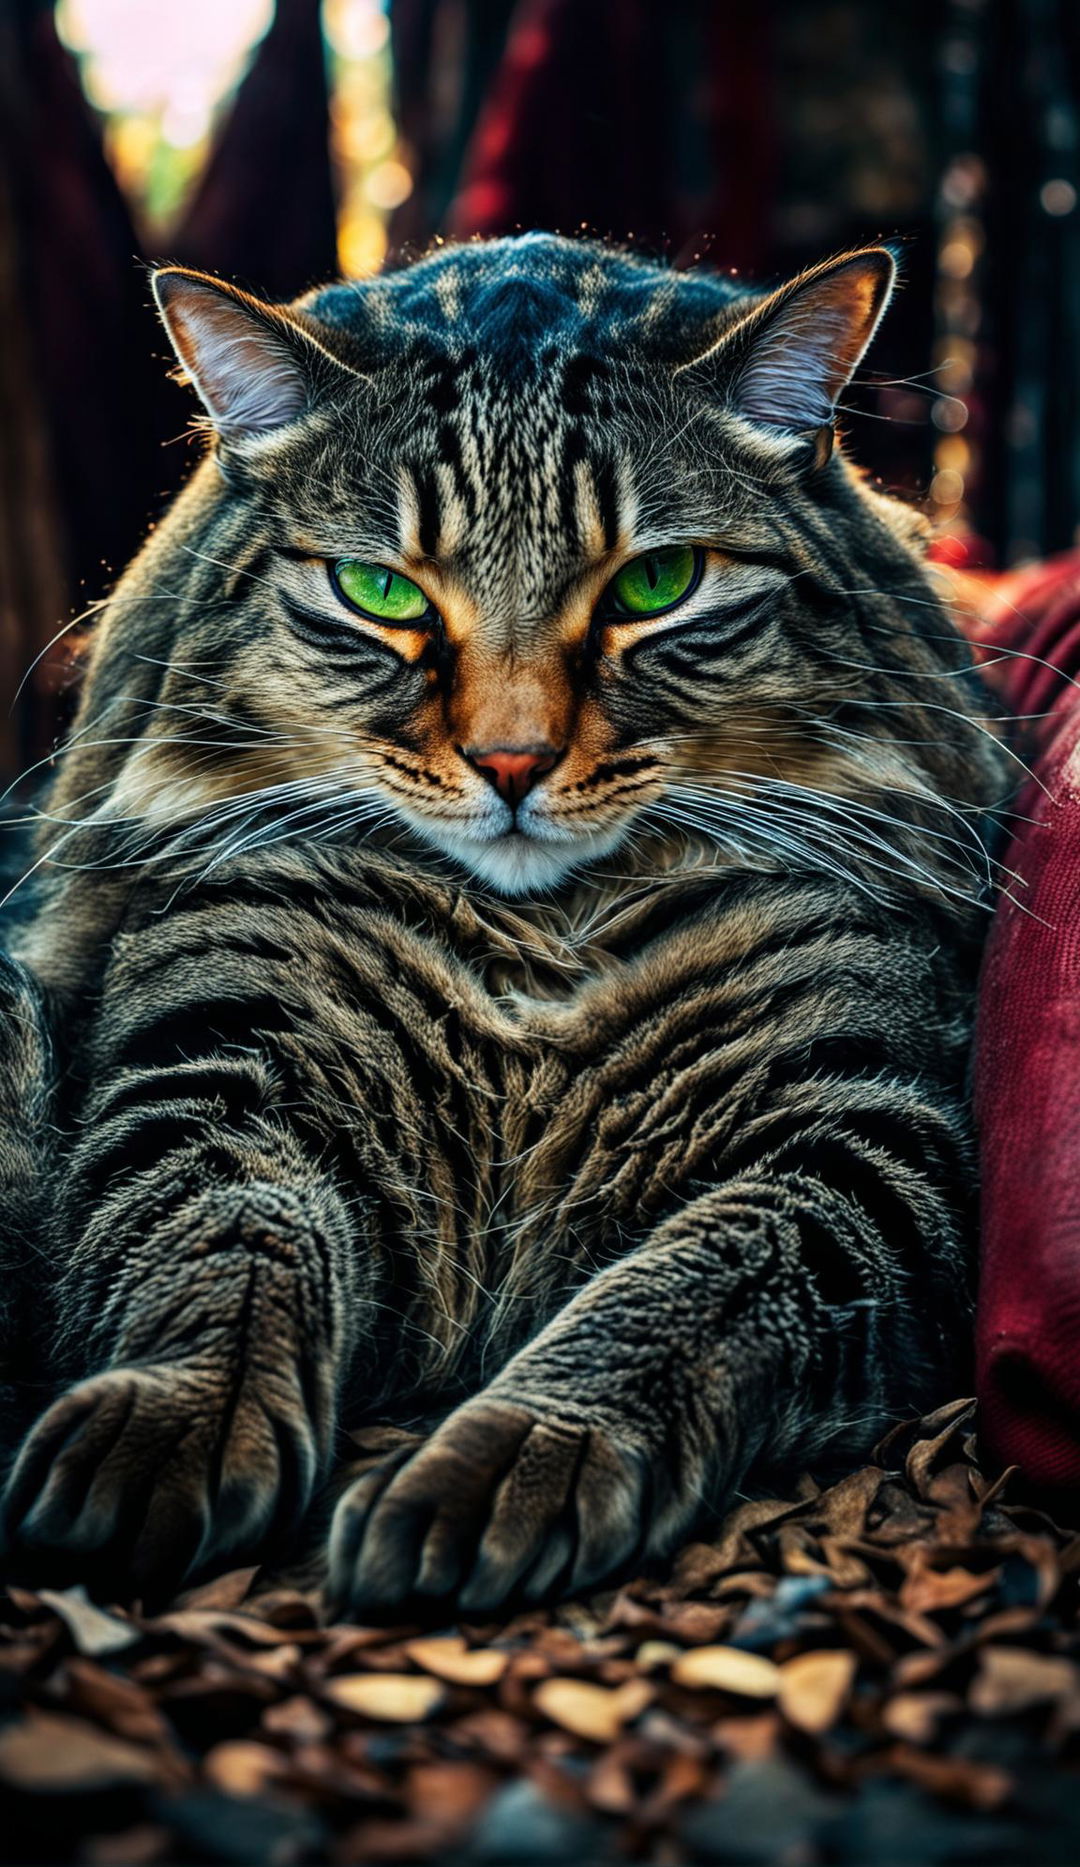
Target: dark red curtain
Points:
(618, 116)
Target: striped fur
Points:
(622, 1136)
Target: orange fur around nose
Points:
(497, 701)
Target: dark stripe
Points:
(178, 1033)
(428, 509)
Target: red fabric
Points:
(624, 118)
(1027, 1055)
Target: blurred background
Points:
(280, 143)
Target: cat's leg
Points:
(205, 1317)
(26, 1081)
(765, 1319)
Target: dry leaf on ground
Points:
(875, 1648)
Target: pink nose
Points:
(513, 770)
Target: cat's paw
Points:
(143, 1475)
(502, 1504)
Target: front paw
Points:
(503, 1503)
(145, 1474)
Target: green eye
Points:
(379, 592)
(648, 585)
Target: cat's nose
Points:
(513, 770)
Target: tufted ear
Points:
(253, 365)
(785, 363)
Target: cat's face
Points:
(506, 565)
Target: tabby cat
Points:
(508, 910)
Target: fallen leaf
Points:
(596, 1712)
(814, 1687)
(242, 1768)
(958, 1779)
(867, 1640)
(273, 1662)
(492, 1732)
(346, 1642)
(652, 1654)
(628, 1614)
(749, 1739)
(225, 1591)
(560, 1645)
(916, 1716)
(845, 1565)
(896, 1518)
(697, 1623)
(610, 1785)
(123, 1706)
(918, 1669)
(700, 1564)
(24, 1599)
(48, 1754)
(515, 1688)
(800, 1554)
(1013, 1679)
(938, 1429)
(926, 1590)
(753, 1582)
(448, 1658)
(683, 1777)
(299, 1719)
(93, 1631)
(915, 1626)
(805, 1557)
(203, 1626)
(340, 1738)
(456, 1790)
(341, 1771)
(727, 1669)
(841, 1510)
(392, 1698)
(287, 1608)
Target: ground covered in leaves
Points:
(885, 1670)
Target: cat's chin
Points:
(516, 864)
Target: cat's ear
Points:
(253, 365)
(784, 365)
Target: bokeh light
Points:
(1057, 196)
(162, 75)
(159, 74)
(957, 462)
(373, 174)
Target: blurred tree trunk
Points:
(83, 449)
(33, 584)
(1030, 49)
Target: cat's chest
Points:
(560, 1000)
(569, 976)
(544, 996)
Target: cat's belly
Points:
(515, 1137)
(504, 1109)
